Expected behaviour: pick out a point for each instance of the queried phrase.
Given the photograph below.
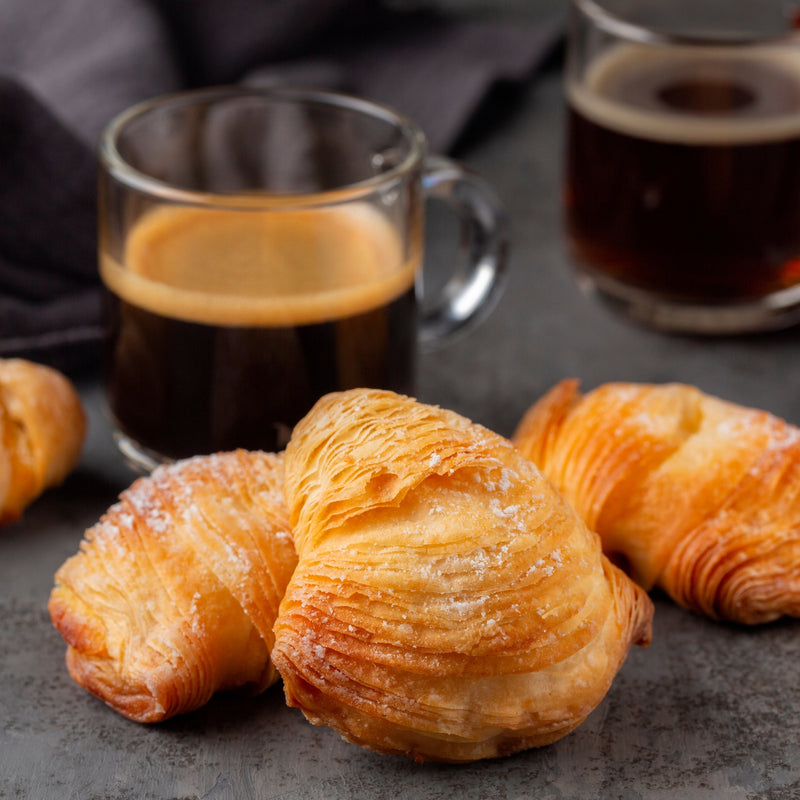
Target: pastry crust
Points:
(174, 592)
(42, 428)
(695, 495)
(447, 603)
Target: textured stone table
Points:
(708, 712)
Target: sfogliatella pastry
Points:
(174, 592)
(447, 603)
(42, 428)
(694, 494)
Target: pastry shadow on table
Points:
(266, 718)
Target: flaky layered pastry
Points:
(42, 428)
(447, 603)
(696, 495)
(174, 592)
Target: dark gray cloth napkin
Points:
(67, 68)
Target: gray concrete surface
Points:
(708, 712)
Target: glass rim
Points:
(635, 32)
(112, 161)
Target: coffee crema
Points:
(264, 312)
(693, 95)
(261, 268)
(683, 171)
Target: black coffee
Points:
(224, 363)
(683, 173)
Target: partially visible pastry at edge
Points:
(447, 604)
(42, 428)
(697, 495)
(174, 592)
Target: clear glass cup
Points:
(682, 174)
(261, 248)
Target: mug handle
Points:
(474, 288)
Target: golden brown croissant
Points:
(696, 495)
(174, 593)
(42, 427)
(447, 603)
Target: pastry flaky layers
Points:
(447, 603)
(696, 495)
(174, 592)
(42, 428)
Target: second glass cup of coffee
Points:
(683, 161)
(262, 248)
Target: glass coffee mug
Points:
(261, 248)
(682, 198)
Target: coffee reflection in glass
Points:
(683, 161)
(263, 248)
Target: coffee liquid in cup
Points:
(683, 171)
(257, 312)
